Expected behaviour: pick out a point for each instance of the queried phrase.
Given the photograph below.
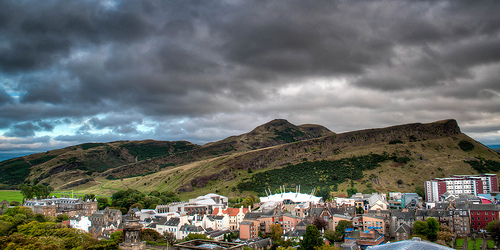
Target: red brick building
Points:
(482, 214)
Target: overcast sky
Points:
(96, 71)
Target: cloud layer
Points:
(81, 71)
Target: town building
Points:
(249, 229)
(80, 222)
(336, 218)
(205, 204)
(482, 214)
(403, 232)
(55, 206)
(364, 238)
(460, 184)
(235, 215)
(132, 236)
(291, 198)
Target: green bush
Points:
(466, 145)
(309, 175)
(395, 141)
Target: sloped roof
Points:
(342, 216)
(483, 207)
(295, 233)
(403, 215)
(231, 211)
(410, 244)
(252, 215)
(173, 222)
(403, 228)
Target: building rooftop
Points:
(294, 197)
(410, 244)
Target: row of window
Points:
(479, 218)
(479, 213)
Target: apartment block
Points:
(460, 184)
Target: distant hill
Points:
(80, 164)
(494, 147)
(57, 167)
(276, 153)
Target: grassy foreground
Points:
(11, 195)
(15, 195)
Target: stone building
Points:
(55, 206)
(132, 236)
(106, 217)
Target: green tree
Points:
(433, 226)
(89, 197)
(149, 234)
(319, 223)
(351, 191)
(5, 227)
(29, 191)
(169, 237)
(102, 202)
(326, 247)
(311, 238)
(193, 236)
(340, 229)
(360, 210)
(276, 232)
(137, 205)
(116, 237)
(40, 218)
(329, 235)
(421, 228)
(494, 229)
(14, 203)
(324, 193)
(420, 191)
(61, 217)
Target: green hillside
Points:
(272, 155)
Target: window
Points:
(472, 218)
(486, 213)
(471, 212)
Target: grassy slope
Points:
(11, 195)
(436, 154)
(427, 157)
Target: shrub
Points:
(395, 141)
(466, 145)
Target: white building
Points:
(80, 222)
(291, 198)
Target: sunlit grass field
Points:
(15, 195)
(11, 195)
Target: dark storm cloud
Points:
(4, 97)
(40, 33)
(28, 129)
(114, 66)
(22, 130)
